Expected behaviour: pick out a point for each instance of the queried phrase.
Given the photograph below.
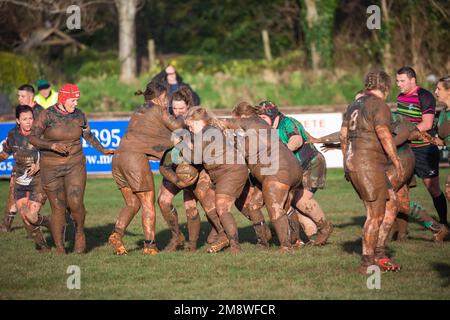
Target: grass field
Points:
(311, 273)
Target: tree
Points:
(34, 23)
(387, 24)
(318, 24)
(126, 10)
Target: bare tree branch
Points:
(442, 11)
(23, 4)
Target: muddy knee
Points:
(223, 206)
(191, 213)
(165, 202)
(75, 198)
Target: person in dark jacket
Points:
(172, 80)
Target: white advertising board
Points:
(321, 124)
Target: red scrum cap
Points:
(68, 91)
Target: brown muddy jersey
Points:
(215, 150)
(24, 153)
(262, 151)
(56, 126)
(37, 108)
(365, 152)
(149, 131)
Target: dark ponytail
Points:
(153, 90)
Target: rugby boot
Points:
(190, 246)
(221, 243)
(386, 265)
(177, 241)
(286, 249)
(150, 248)
(441, 234)
(115, 240)
(324, 230)
(298, 244)
(42, 245)
(366, 261)
(235, 247)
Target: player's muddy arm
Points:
(37, 131)
(93, 141)
(36, 140)
(331, 138)
(230, 123)
(418, 135)
(404, 135)
(295, 142)
(385, 136)
(343, 138)
(166, 167)
(171, 122)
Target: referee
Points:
(419, 106)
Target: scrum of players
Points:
(255, 158)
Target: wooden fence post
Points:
(266, 42)
(151, 53)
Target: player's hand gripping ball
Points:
(187, 174)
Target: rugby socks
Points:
(367, 260)
(257, 219)
(37, 236)
(294, 225)
(213, 218)
(58, 229)
(119, 231)
(193, 224)
(418, 213)
(230, 226)
(171, 218)
(440, 203)
(281, 226)
(260, 231)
